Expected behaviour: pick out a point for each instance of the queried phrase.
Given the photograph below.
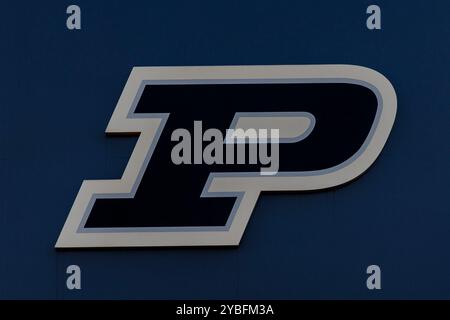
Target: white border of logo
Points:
(245, 186)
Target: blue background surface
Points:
(58, 89)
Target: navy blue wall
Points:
(58, 89)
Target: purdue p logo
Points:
(305, 128)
